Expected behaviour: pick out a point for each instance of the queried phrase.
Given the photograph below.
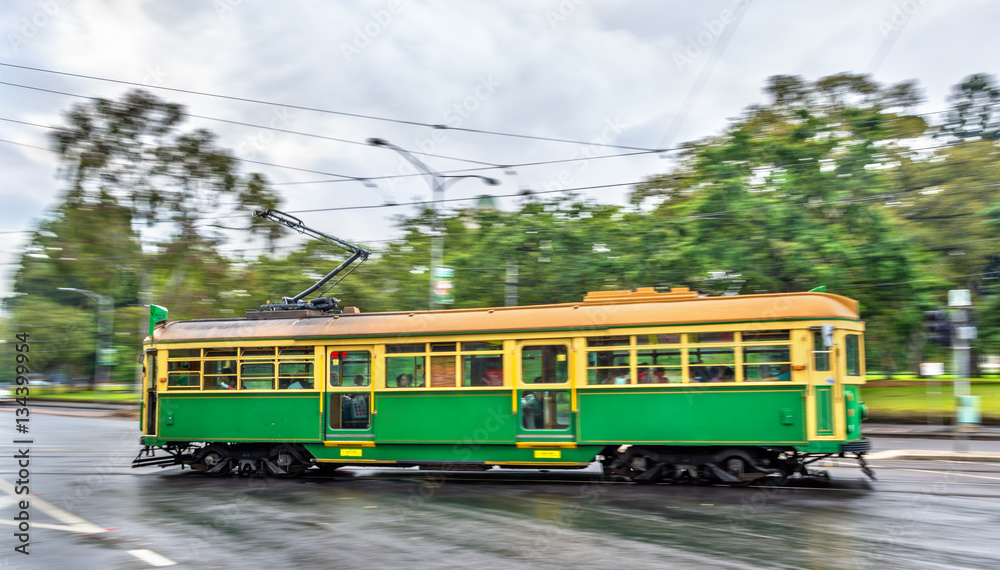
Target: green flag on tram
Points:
(157, 315)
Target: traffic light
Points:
(938, 327)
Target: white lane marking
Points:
(75, 523)
(951, 473)
(152, 558)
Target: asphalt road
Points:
(89, 509)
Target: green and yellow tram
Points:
(657, 386)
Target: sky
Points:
(605, 78)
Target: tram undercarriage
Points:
(244, 459)
(641, 464)
(730, 465)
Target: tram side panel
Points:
(239, 417)
(694, 415)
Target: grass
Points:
(936, 399)
(916, 378)
(102, 394)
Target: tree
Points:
(795, 194)
(975, 110)
(136, 221)
(133, 151)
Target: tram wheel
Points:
(213, 459)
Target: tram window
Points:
(296, 351)
(257, 352)
(482, 345)
(659, 366)
(184, 374)
(482, 370)
(852, 347)
(443, 371)
(821, 354)
(257, 375)
(545, 409)
(671, 338)
(185, 353)
(220, 352)
(608, 341)
(765, 336)
(403, 348)
(608, 367)
(220, 374)
(295, 375)
(355, 364)
(710, 337)
(711, 364)
(767, 372)
(758, 354)
(443, 347)
(354, 410)
(404, 371)
(350, 369)
(766, 363)
(547, 364)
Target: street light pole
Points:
(105, 324)
(438, 183)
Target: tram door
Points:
(348, 398)
(149, 379)
(824, 383)
(544, 394)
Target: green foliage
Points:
(975, 109)
(61, 338)
(132, 225)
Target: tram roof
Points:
(598, 311)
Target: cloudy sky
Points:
(612, 75)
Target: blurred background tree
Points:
(138, 221)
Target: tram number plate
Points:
(350, 453)
(547, 454)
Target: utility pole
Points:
(105, 324)
(967, 405)
(510, 284)
(440, 276)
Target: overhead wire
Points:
(320, 110)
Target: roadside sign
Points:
(932, 368)
(443, 282)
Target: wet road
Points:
(89, 509)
